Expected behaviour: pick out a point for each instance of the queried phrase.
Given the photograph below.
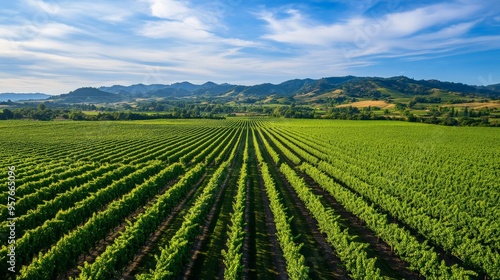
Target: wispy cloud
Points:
(298, 29)
(62, 44)
(420, 32)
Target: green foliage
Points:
(233, 255)
(295, 262)
(415, 186)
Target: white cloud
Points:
(49, 8)
(105, 11)
(410, 22)
(297, 29)
(427, 29)
(451, 31)
(7, 32)
(177, 20)
(183, 30)
(170, 9)
(59, 30)
(85, 43)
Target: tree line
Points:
(439, 115)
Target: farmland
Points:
(250, 198)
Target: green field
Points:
(249, 198)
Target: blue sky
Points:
(56, 46)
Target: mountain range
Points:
(4, 97)
(300, 89)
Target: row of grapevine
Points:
(32, 200)
(291, 156)
(37, 239)
(163, 152)
(79, 241)
(114, 153)
(468, 249)
(150, 150)
(233, 255)
(124, 247)
(139, 148)
(173, 255)
(294, 148)
(218, 158)
(46, 211)
(34, 174)
(92, 151)
(168, 263)
(352, 253)
(42, 171)
(74, 170)
(200, 142)
(274, 155)
(419, 255)
(31, 194)
(295, 262)
(201, 151)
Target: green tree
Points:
(8, 114)
(41, 107)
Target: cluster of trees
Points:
(115, 116)
(353, 113)
(363, 89)
(458, 100)
(175, 110)
(340, 99)
(42, 113)
(450, 116)
(424, 99)
(186, 108)
(293, 111)
(452, 112)
(447, 119)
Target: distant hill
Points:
(495, 87)
(305, 90)
(182, 89)
(136, 90)
(88, 95)
(22, 96)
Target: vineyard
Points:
(249, 198)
